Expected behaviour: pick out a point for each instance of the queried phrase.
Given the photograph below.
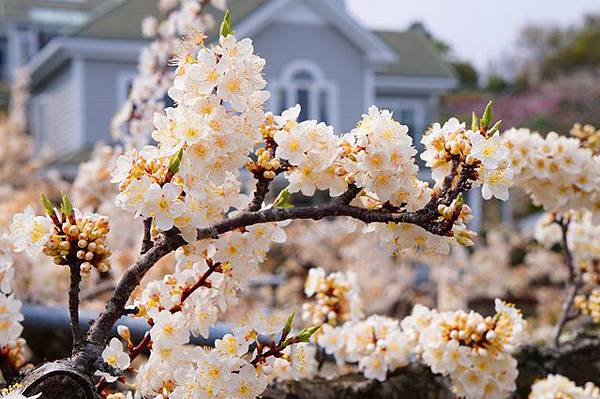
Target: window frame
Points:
(319, 84)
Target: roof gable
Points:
(376, 50)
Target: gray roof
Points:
(416, 55)
(122, 19)
(24, 11)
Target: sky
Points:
(480, 31)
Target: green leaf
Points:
(288, 324)
(175, 162)
(474, 123)
(460, 201)
(304, 335)
(488, 116)
(283, 200)
(66, 207)
(226, 25)
(47, 205)
(495, 128)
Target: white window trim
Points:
(320, 82)
(124, 79)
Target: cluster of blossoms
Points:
(16, 392)
(134, 121)
(229, 370)
(66, 236)
(11, 345)
(336, 298)
(182, 304)
(192, 178)
(474, 351)
(480, 150)
(377, 344)
(560, 387)
(377, 157)
(588, 135)
(590, 304)
(558, 172)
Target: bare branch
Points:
(573, 282)
(147, 242)
(74, 304)
(262, 188)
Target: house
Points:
(83, 57)
(317, 55)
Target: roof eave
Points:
(60, 50)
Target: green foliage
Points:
(468, 77)
(497, 84)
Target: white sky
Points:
(478, 30)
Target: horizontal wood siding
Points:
(101, 93)
(59, 116)
(341, 61)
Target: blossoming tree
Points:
(187, 190)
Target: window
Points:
(302, 82)
(42, 121)
(3, 60)
(124, 84)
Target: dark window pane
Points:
(303, 76)
(303, 96)
(324, 107)
(282, 101)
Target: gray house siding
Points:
(342, 63)
(104, 84)
(53, 112)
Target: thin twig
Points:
(573, 281)
(74, 304)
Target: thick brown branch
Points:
(147, 242)
(262, 188)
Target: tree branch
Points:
(573, 281)
(74, 304)
(428, 218)
(147, 242)
(261, 191)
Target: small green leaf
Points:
(66, 207)
(283, 200)
(47, 205)
(288, 324)
(474, 123)
(488, 116)
(304, 335)
(460, 201)
(495, 128)
(176, 162)
(226, 25)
